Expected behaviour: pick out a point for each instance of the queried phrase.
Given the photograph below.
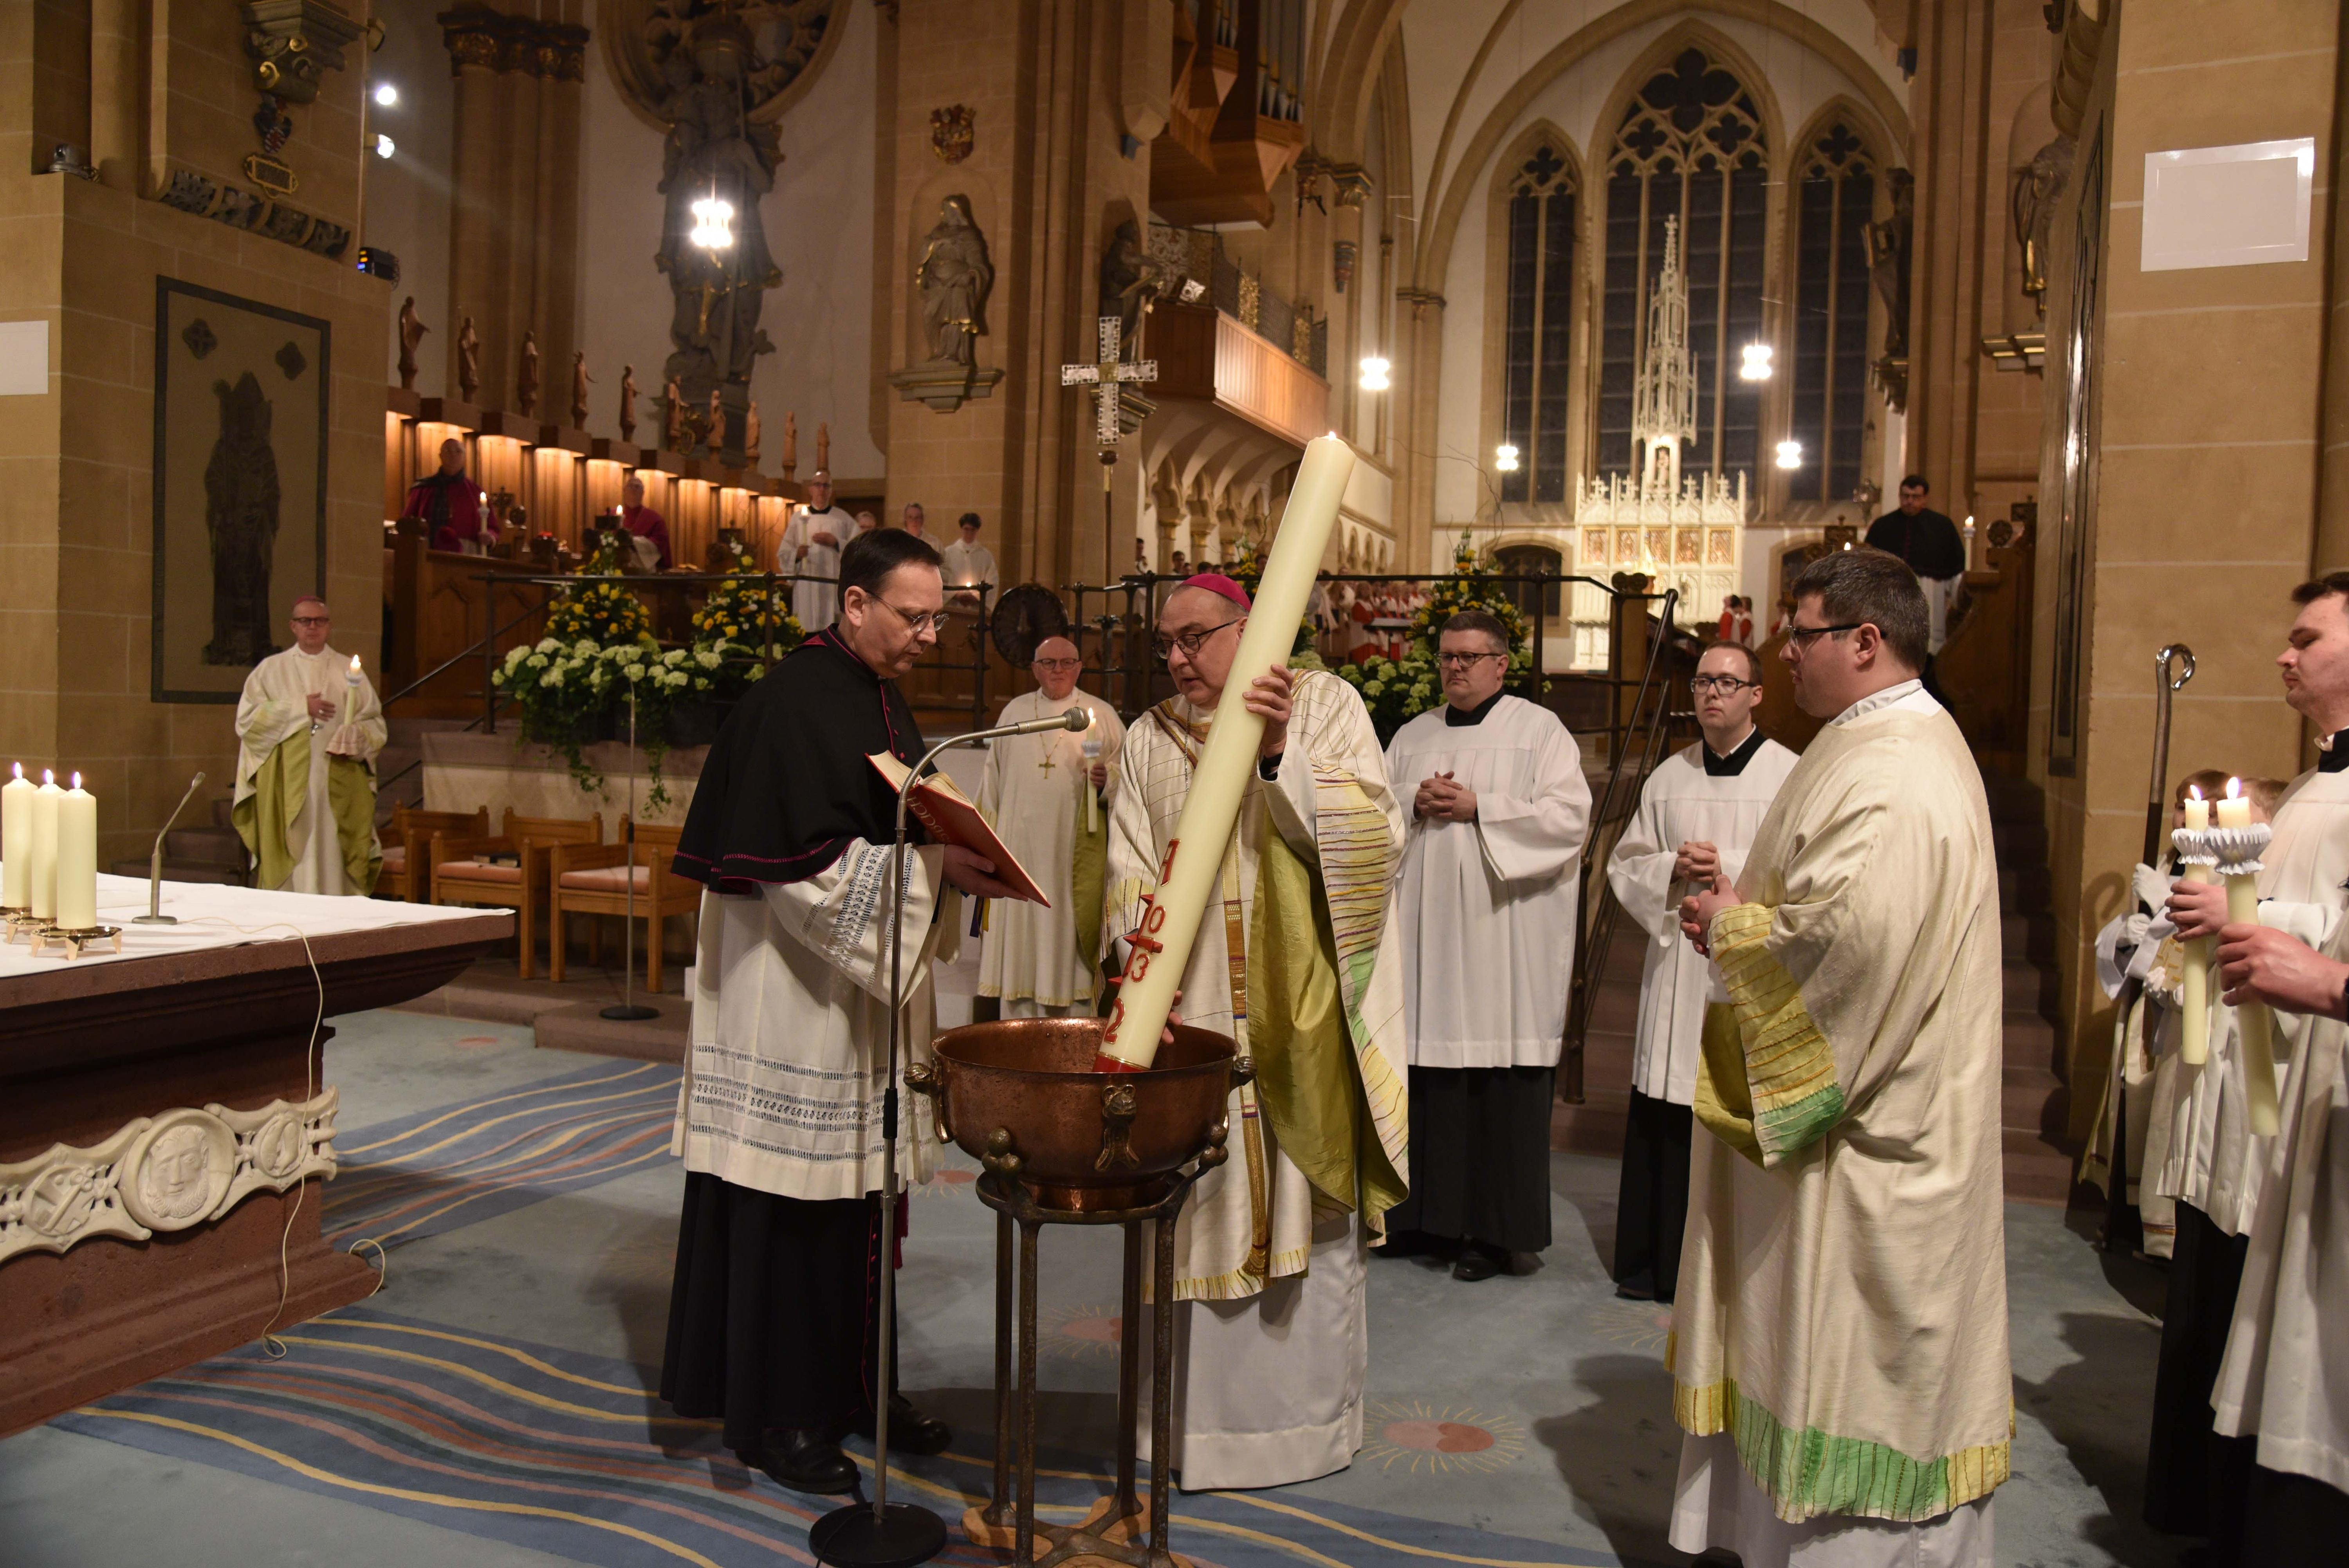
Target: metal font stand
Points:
(883, 1534)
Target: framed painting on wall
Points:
(239, 483)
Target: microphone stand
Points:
(885, 1534)
(628, 1010)
(155, 915)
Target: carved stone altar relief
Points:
(169, 1172)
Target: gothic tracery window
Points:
(1834, 200)
(1691, 147)
(1537, 347)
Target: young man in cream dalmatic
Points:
(1696, 820)
(1839, 1342)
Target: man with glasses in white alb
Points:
(1499, 811)
(1697, 817)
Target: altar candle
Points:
(16, 841)
(1194, 856)
(77, 858)
(1092, 747)
(2194, 984)
(43, 900)
(2235, 811)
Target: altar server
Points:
(1696, 819)
(771, 1314)
(968, 564)
(2283, 1389)
(1300, 967)
(1839, 1338)
(2215, 1167)
(1491, 883)
(1045, 962)
(810, 547)
(308, 729)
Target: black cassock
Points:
(775, 1311)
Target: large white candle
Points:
(77, 869)
(1210, 813)
(2194, 981)
(2253, 1028)
(16, 841)
(44, 890)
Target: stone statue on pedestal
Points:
(750, 437)
(579, 380)
(411, 333)
(627, 402)
(673, 417)
(526, 377)
(469, 362)
(954, 276)
(1131, 282)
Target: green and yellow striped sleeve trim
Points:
(1808, 1472)
(1790, 1068)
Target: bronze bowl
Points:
(1021, 1097)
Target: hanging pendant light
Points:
(1757, 364)
(713, 224)
(1505, 458)
(1790, 455)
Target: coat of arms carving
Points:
(951, 131)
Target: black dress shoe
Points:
(1635, 1293)
(804, 1459)
(1477, 1261)
(910, 1432)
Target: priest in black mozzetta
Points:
(774, 1314)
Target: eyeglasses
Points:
(1060, 664)
(1802, 637)
(312, 620)
(1727, 685)
(1462, 660)
(1190, 642)
(936, 621)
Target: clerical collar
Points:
(1875, 699)
(1730, 766)
(1454, 718)
(2331, 756)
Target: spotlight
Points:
(386, 94)
(1374, 374)
(712, 223)
(383, 147)
(1790, 455)
(1757, 364)
(1505, 458)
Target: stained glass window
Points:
(1538, 332)
(1690, 147)
(1834, 199)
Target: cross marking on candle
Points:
(1108, 373)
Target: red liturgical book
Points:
(952, 818)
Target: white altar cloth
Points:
(212, 915)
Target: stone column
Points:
(1949, 99)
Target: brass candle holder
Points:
(77, 939)
(20, 920)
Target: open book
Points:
(952, 818)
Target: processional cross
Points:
(1108, 374)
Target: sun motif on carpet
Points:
(1438, 1440)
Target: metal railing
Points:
(1598, 907)
(1117, 641)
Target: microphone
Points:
(155, 915)
(1078, 719)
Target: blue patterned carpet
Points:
(572, 1455)
(576, 1456)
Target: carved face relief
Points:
(174, 1181)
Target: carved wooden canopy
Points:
(650, 45)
